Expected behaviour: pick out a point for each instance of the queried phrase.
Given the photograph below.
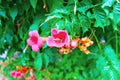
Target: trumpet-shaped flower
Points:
(35, 41)
(16, 74)
(58, 38)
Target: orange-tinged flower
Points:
(86, 41)
(64, 50)
(23, 69)
(84, 49)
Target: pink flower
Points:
(12, 73)
(16, 74)
(19, 75)
(58, 38)
(74, 44)
(35, 41)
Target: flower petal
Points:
(40, 42)
(19, 75)
(35, 48)
(30, 43)
(54, 32)
(50, 41)
(34, 33)
(12, 73)
(67, 41)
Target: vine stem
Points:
(25, 48)
(96, 40)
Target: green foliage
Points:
(108, 64)
(13, 13)
(33, 3)
(38, 62)
(98, 19)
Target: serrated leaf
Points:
(100, 17)
(116, 13)
(108, 3)
(84, 6)
(13, 13)
(33, 3)
(38, 62)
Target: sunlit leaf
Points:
(108, 3)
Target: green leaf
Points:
(53, 16)
(38, 62)
(55, 5)
(116, 13)
(68, 26)
(2, 42)
(84, 6)
(111, 56)
(33, 27)
(36, 23)
(108, 3)
(33, 54)
(60, 24)
(108, 65)
(9, 38)
(61, 11)
(100, 17)
(46, 58)
(3, 13)
(33, 3)
(13, 13)
(84, 22)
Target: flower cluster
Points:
(16, 74)
(21, 72)
(59, 39)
